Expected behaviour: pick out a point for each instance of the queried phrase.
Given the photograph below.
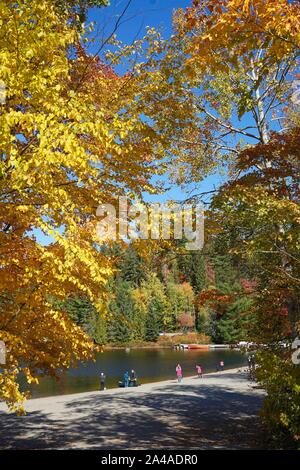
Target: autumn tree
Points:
(234, 63)
(69, 141)
(265, 202)
(180, 302)
(77, 9)
(241, 60)
(186, 321)
(151, 303)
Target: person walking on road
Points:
(199, 371)
(133, 378)
(179, 373)
(126, 379)
(102, 381)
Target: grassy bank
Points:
(165, 341)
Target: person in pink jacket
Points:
(179, 373)
(199, 371)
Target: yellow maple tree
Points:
(69, 142)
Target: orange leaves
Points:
(242, 27)
(212, 296)
(275, 161)
(260, 212)
(72, 137)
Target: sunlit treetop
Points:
(237, 28)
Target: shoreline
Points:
(115, 390)
(157, 345)
(142, 385)
(77, 380)
(219, 411)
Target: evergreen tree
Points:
(202, 320)
(142, 305)
(192, 266)
(153, 320)
(97, 328)
(225, 271)
(234, 325)
(229, 312)
(131, 267)
(80, 310)
(121, 309)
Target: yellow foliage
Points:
(67, 145)
(240, 27)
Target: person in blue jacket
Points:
(126, 379)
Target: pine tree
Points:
(97, 328)
(80, 310)
(121, 309)
(153, 321)
(131, 267)
(192, 266)
(234, 325)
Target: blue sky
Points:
(139, 15)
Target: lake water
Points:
(151, 365)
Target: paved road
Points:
(219, 411)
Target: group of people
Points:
(220, 366)
(129, 380)
(179, 372)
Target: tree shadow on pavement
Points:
(171, 416)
